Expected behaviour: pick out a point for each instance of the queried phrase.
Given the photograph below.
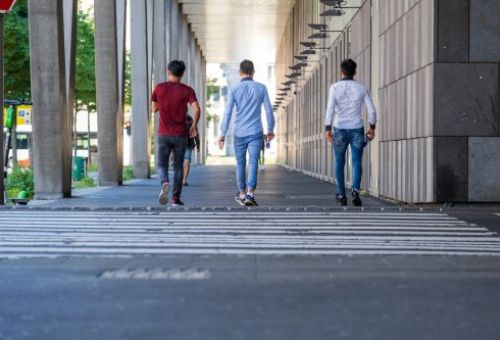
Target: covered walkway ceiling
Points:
(231, 30)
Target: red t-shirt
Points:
(172, 100)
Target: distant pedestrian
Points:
(248, 97)
(343, 112)
(171, 99)
(192, 143)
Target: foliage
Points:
(212, 88)
(85, 84)
(212, 117)
(16, 53)
(128, 80)
(85, 182)
(128, 173)
(20, 180)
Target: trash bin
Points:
(78, 168)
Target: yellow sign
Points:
(23, 115)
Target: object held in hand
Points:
(367, 139)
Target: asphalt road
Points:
(252, 297)
(73, 275)
(110, 264)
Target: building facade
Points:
(433, 70)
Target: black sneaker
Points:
(176, 202)
(341, 200)
(250, 201)
(356, 201)
(237, 198)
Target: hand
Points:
(193, 132)
(270, 136)
(329, 137)
(221, 143)
(370, 134)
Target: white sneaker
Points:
(163, 197)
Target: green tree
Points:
(85, 86)
(16, 53)
(212, 87)
(128, 80)
(17, 59)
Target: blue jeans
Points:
(166, 146)
(253, 144)
(341, 140)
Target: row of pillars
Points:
(160, 32)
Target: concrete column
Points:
(2, 185)
(185, 49)
(121, 31)
(159, 41)
(48, 83)
(161, 44)
(168, 31)
(150, 14)
(141, 150)
(375, 74)
(70, 9)
(192, 58)
(201, 99)
(108, 106)
(175, 30)
(201, 93)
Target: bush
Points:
(92, 168)
(128, 173)
(20, 180)
(85, 182)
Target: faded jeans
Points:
(253, 144)
(342, 138)
(167, 145)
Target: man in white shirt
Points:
(343, 112)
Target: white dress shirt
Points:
(345, 101)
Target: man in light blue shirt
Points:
(248, 97)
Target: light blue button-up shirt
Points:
(248, 97)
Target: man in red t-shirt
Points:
(171, 99)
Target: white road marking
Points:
(53, 234)
(156, 274)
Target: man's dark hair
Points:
(177, 68)
(246, 67)
(348, 67)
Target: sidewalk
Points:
(213, 186)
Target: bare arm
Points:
(196, 118)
